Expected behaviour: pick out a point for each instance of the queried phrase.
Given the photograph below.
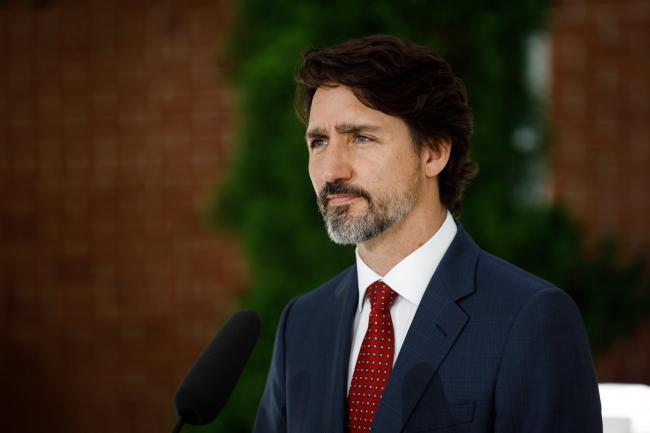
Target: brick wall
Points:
(601, 130)
(601, 116)
(115, 123)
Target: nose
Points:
(335, 164)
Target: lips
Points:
(341, 199)
(339, 194)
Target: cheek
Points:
(314, 177)
(395, 178)
(376, 174)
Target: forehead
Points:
(336, 105)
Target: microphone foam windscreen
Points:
(207, 386)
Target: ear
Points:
(434, 156)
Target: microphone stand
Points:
(179, 425)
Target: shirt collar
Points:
(410, 277)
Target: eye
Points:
(316, 143)
(362, 139)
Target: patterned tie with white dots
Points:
(375, 360)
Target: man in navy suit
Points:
(426, 332)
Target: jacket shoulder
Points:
(496, 275)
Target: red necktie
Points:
(375, 360)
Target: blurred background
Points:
(153, 180)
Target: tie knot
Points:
(381, 296)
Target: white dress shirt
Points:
(409, 278)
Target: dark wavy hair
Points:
(405, 80)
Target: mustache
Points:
(343, 188)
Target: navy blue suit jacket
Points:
(491, 349)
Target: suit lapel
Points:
(345, 304)
(437, 323)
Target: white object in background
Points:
(616, 425)
(625, 407)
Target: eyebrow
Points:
(342, 128)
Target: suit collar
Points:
(458, 266)
(345, 301)
(347, 281)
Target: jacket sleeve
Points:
(272, 411)
(546, 381)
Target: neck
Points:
(382, 253)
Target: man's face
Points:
(363, 165)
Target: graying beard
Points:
(364, 228)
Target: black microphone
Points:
(207, 386)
